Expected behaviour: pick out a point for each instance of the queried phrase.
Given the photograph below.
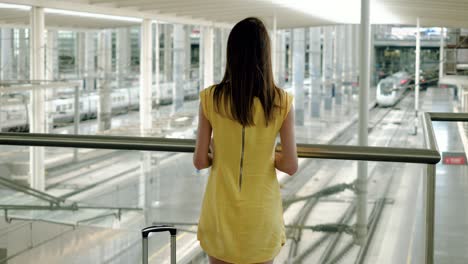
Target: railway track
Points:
(378, 117)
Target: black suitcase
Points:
(156, 229)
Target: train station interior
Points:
(99, 107)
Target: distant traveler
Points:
(241, 217)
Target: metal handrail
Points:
(430, 180)
(98, 142)
(428, 131)
(449, 117)
(430, 155)
(319, 151)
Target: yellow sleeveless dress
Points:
(241, 218)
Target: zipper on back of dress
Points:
(241, 167)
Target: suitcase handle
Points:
(156, 229)
(159, 228)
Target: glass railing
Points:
(125, 181)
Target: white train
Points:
(14, 108)
(390, 89)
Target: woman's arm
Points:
(201, 157)
(286, 160)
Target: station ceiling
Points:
(224, 13)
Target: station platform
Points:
(400, 236)
(451, 240)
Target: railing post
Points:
(76, 118)
(430, 209)
(173, 248)
(145, 250)
(364, 83)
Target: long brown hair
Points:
(248, 73)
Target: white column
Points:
(315, 70)
(6, 66)
(364, 65)
(416, 70)
(89, 64)
(372, 70)
(201, 60)
(187, 54)
(338, 63)
(281, 58)
(156, 62)
(224, 39)
(274, 50)
(104, 70)
(289, 57)
(208, 57)
(349, 65)
(216, 55)
(167, 53)
(22, 58)
(37, 109)
(179, 69)
(80, 52)
(51, 56)
(50, 75)
(123, 56)
(441, 54)
(338, 52)
(298, 41)
(327, 65)
(356, 50)
(146, 74)
(6, 62)
(349, 55)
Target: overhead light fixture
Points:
(91, 15)
(13, 6)
(339, 11)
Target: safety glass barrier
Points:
(120, 192)
(429, 155)
(111, 193)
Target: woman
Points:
(241, 219)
